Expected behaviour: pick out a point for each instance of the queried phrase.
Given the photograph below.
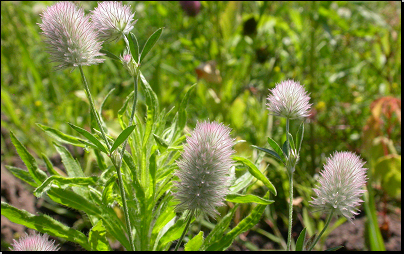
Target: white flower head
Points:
(34, 242)
(112, 20)
(341, 185)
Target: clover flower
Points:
(289, 99)
(34, 242)
(204, 168)
(341, 184)
(112, 20)
(70, 35)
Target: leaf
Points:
(23, 175)
(217, 232)
(291, 142)
(107, 193)
(241, 182)
(122, 110)
(110, 55)
(256, 173)
(90, 137)
(195, 243)
(61, 137)
(134, 46)
(300, 240)
(63, 182)
(247, 223)
(174, 232)
(122, 137)
(97, 238)
(182, 113)
(43, 223)
(49, 165)
(38, 175)
(270, 152)
(162, 144)
(73, 169)
(103, 102)
(299, 137)
(276, 147)
(249, 198)
(150, 43)
(285, 148)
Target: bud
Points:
(130, 64)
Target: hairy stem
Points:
(190, 215)
(322, 232)
(290, 171)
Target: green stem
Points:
(92, 107)
(190, 215)
(322, 232)
(290, 171)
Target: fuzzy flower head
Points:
(289, 99)
(204, 168)
(34, 242)
(71, 37)
(341, 184)
(112, 20)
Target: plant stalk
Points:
(290, 171)
(190, 215)
(322, 232)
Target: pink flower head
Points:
(289, 99)
(204, 168)
(341, 184)
(34, 242)
(191, 7)
(70, 35)
(112, 20)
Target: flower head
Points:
(34, 242)
(112, 20)
(70, 35)
(204, 168)
(341, 184)
(289, 99)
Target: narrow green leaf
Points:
(60, 136)
(23, 175)
(97, 238)
(43, 223)
(256, 173)
(162, 144)
(285, 148)
(174, 232)
(63, 182)
(103, 102)
(107, 193)
(90, 137)
(300, 240)
(182, 113)
(241, 182)
(150, 43)
(195, 243)
(152, 171)
(247, 223)
(134, 46)
(37, 174)
(334, 248)
(291, 142)
(299, 137)
(249, 198)
(122, 110)
(270, 152)
(276, 148)
(110, 55)
(49, 165)
(217, 232)
(122, 137)
(72, 167)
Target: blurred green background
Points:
(346, 54)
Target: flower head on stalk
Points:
(204, 168)
(34, 242)
(289, 99)
(112, 20)
(71, 37)
(341, 185)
